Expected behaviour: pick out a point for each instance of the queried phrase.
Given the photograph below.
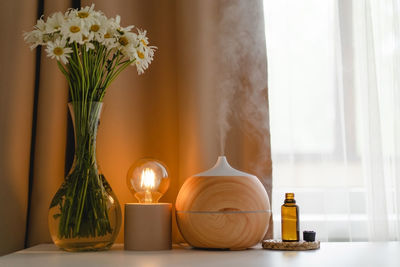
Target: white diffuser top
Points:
(222, 168)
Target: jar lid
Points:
(309, 236)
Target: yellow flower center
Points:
(143, 42)
(107, 35)
(95, 28)
(83, 14)
(58, 51)
(140, 54)
(123, 41)
(74, 29)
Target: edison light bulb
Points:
(148, 180)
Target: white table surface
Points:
(382, 254)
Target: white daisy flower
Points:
(37, 36)
(113, 23)
(116, 23)
(89, 45)
(85, 12)
(126, 29)
(109, 40)
(58, 50)
(143, 40)
(74, 30)
(34, 38)
(127, 43)
(98, 30)
(54, 22)
(87, 15)
(141, 67)
(40, 25)
(142, 62)
(144, 56)
(111, 35)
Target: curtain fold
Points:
(50, 142)
(377, 55)
(168, 113)
(17, 73)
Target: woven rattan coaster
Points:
(277, 244)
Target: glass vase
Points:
(85, 213)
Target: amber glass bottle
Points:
(290, 219)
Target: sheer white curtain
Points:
(334, 78)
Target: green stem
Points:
(82, 203)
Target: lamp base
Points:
(148, 226)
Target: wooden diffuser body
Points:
(223, 208)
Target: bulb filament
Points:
(147, 182)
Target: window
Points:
(313, 116)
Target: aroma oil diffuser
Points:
(223, 208)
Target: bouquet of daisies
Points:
(90, 49)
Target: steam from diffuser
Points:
(242, 81)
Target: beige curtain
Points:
(210, 54)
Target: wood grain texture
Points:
(227, 212)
